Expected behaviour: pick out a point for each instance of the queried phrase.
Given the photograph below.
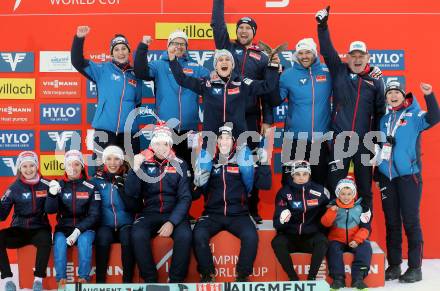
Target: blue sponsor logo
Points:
(280, 112)
(17, 140)
(91, 109)
(287, 59)
(145, 138)
(17, 62)
(56, 140)
(388, 59)
(60, 113)
(8, 166)
(147, 89)
(203, 58)
(92, 90)
(277, 165)
(146, 114)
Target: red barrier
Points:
(225, 249)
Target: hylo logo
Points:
(62, 112)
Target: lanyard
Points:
(396, 125)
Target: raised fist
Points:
(82, 31)
(146, 39)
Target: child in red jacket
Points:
(349, 230)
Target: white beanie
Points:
(220, 53)
(346, 183)
(176, 34)
(301, 166)
(306, 44)
(27, 156)
(162, 132)
(113, 150)
(73, 155)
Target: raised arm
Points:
(218, 24)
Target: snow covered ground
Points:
(430, 282)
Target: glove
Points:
(375, 73)
(71, 239)
(285, 216)
(366, 216)
(322, 16)
(119, 181)
(54, 187)
(138, 161)
(201, 178)
(262, 156)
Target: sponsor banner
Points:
(80, 6)
(19, 62)
(193, 30)
(60, 113)
(280, 112)
(13, 88)
(100, 57)
(59, 87)
(52, 165)
(8, 166)
(277, 164)
(56, 61)
(393, 60)
(17, 114)
(91, 109)
(17, 140)
(147, 89)
(92, 91)
(52, 140)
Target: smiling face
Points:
(28, 170)
(225, 143)
(161, 149)
(346, 195)
(357, 61)
(224, 66)
(179, 45)
(245, 34)
(121, 53)
(73, 170)
(301, 177)
(395, 98)
(306, 58)
(113, 163)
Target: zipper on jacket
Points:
(113, 207)
(180, 108)
(353, 123)
(224, 190)
(305, 210)
(313, 102)
(244, 61)
(160, 190)
(346, 225)
(33, 205)
(120, 105)
(390, 162)
(74, 203)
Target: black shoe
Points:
(411, 275)
(338, 283)
(207, 278)
(393, 272)
(241, 278)
(257, 218)
(359, 284)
